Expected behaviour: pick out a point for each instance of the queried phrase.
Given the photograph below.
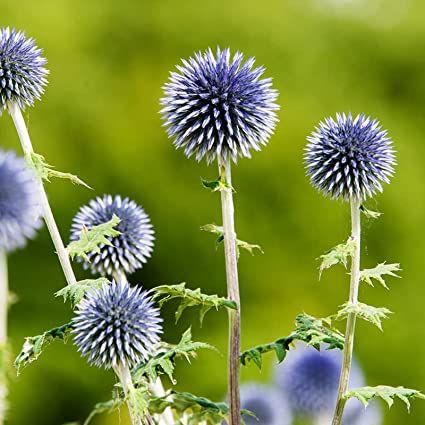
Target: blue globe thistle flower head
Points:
(349, 157)
(268, 405)
(309, 381)
(129, 250)
(20, 211)
(217, 106)
(22, 69)
(117, 325)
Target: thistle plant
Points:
(219, 108)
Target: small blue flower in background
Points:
(19, 208)
(349, 157)
(22, 69)
(117, 325)
(131, 249)
(218, 106)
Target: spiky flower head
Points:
(349, 157)
(309, 380)
(267, 405)
(22, 69)
(129, 250)
(19, 207)
(219, 106)
(117, 325)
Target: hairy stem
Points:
(231, 257)
(4, 298)
(351, 320)
(61, 252)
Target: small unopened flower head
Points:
(117, 325)
(309, 381)
(20, 210)
(22, 69)
(349, 157)
(129, 250)
(267, 404)
(219, 106)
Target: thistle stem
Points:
(351, 320)
(231, 257)
(4, 297)
(61, 252)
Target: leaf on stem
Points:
(109, 406)
(337, 255)
(369, 213)
(378, 272)
(75, 292)
(217, 185)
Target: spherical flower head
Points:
(349, 158)
(22, 69)
(218, 106)
(20, 210)
(129, 250)
(267, 405)
(117, 325)
(309, 381)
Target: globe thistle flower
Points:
(349, 157)
(117, 325)
(267, 405)
(309, 380)
(19, 208)
(129, 250)
(218, 106)
(22, 69)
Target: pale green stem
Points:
(4, 301)
(231, 258)
(61, 252)
(351, 320)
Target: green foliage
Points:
(337, 255)
(366, 312)
(109, 406)
(378, 272)
(308, 329)
(217, 185)
(369, 213)
(46, 171)
(34, 345)
(90, 240)
(218, 230)
(165, 360)
(388, 394)
(189, 298)
(75, 292)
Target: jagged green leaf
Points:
(34, 345)
(378, 272)
(189, 298)
(92, 239)
(388, 394)
(309, 330)
(366, 312)
(165, 360)
(217, 185)
(46, 171)
(75, 292)
(109, 406)
(370, 213)
(337, 255)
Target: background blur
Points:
(99, 119)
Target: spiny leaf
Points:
(388, 394)
(189, 298)
(46, 171)
(34, 345)
(378, 272)
(91, 240)
(366, 312)
(217, 185)
(75, 292)
(309, 330)
(109, 406)
(164, 361)
(337, 255)
(370, 213)
(138, 400)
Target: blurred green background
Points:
(99, 119)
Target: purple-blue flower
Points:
(219, 106)
(129, 250)
(20, 210)
(117, 325)
(349, 157)
(22, 69)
